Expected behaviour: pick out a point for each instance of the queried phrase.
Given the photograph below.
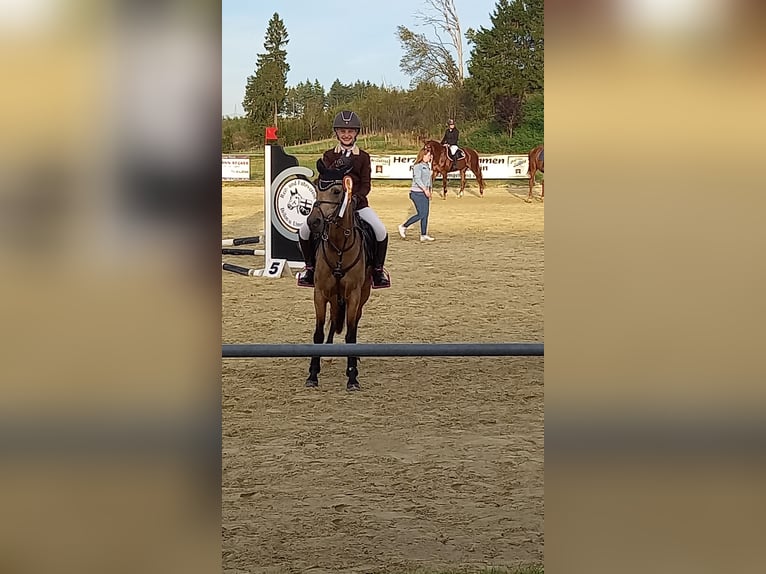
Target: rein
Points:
(333, 220)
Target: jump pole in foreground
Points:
(386, 350)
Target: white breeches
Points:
(453, 150)
(377, 225)
(366, 213)
(304, 232)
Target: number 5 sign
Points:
(276, 268)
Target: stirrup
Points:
(302, 278)
(386, 279)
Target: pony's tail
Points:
(339, 317)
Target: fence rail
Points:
(386, 350)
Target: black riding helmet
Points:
(347, 119)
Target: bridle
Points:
(350, 234)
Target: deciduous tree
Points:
(437, 58)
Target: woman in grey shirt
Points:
(420, 194)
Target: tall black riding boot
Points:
(306, 279)
(379, 276)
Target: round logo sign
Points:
(293, 202)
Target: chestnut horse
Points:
(442, 165)
(343, 269)
(536, 163)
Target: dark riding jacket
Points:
(361, 171)
(450, 136)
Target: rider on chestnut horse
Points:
(449, 141)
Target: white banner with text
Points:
(235, 167)
(492, 167)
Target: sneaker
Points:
(426, 238)
(402, 232)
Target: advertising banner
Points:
(492, 167)
(235, 167)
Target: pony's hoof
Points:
(353, 387)
(311, 384)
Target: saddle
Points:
(459, 154)
(368, 236)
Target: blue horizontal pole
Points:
(386, 350)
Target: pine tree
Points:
(266, 90)
(339, 94)
(507, 61)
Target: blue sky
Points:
(368, 50)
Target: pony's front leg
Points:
(352, 322)
(320, 307)
(462, 183)
(314, 368)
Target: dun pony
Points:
(343, 270)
